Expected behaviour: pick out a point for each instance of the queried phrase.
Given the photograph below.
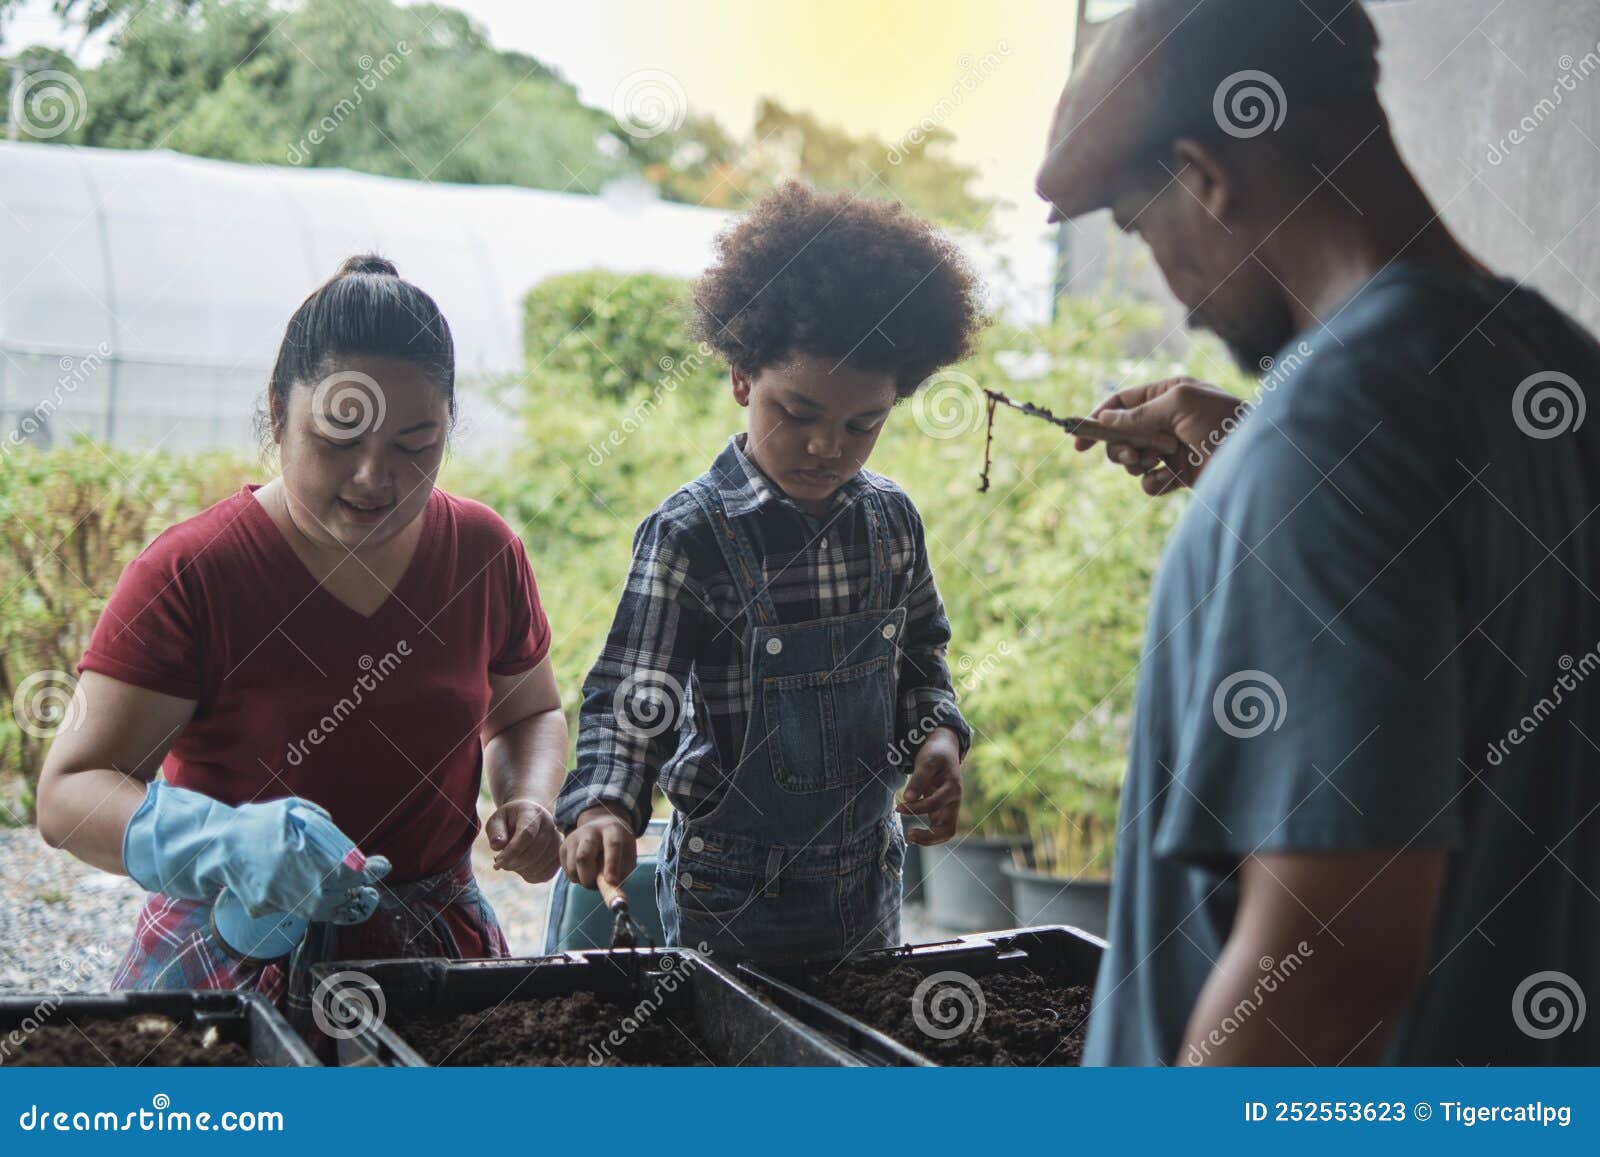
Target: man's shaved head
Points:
(1214, 129)
(1197, 68)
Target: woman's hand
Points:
(525, 840)
(283, 856)
(525, 759)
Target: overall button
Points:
(888, 631)
(696, 844)
(686, 879)
(774, 646)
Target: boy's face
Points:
(813, 424)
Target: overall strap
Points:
(880, 584)
(737, 553)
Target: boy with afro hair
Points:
(779, 652)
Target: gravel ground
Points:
(66, 925)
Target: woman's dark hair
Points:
(366, 309)
(838, 276)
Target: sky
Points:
(875, 66)
(865, 65)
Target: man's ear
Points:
(741, 386)
(1203, 170)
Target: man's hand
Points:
(934, 789)
(1199, 416)
(601, 844)
(523, 834)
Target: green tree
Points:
(419, 92)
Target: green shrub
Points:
(608, 334)
(70, 520)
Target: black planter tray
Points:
(244, 1018)
(735, 1024)
(1064, 954)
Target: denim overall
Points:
(802, 855)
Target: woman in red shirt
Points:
(324, 667)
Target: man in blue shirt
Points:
(1362, 815)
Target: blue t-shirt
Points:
(1377, 626)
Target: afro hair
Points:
(835, 276)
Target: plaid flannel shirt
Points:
(667, 702)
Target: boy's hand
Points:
(523, 834)
(601, 844)
(934, 789)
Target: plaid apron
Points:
(175, 946)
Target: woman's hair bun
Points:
(367, 263)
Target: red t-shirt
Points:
(376, 719)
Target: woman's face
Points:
(361, 449)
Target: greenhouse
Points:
(145, 292)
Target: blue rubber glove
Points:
(285, 856)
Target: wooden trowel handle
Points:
(611, 893)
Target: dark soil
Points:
(1028, 1019)
(148, 1039)
(561, 1030)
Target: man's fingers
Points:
(1125, 399)
(1160, 481)
(1151, 422)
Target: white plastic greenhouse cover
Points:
(143, 293)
